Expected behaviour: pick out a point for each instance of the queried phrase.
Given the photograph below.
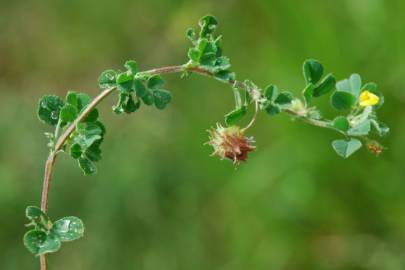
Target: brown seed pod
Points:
(230, 143)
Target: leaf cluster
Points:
(206, 51)
(84, 143)
(47, 236)
(135, 88)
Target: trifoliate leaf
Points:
(49, 109)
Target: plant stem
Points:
(163, 70)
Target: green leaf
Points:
(131, 66)
(308, 92)
(49, 109)
(225, 75)
(39, 243)
(148, 98)
(355, 84)
(344, 85)
(161, 98)
(125, 82)
(155, 82)
(313, 71)
(327, 85)
(140, 88)
(223, 63)
(126, 104)
(68, 113)
(284, 98)
(38, 218)
(107, 79)
(68, 229)
(78, 100)
(351, 85)
(87, 166)
(341, 123)
(361, 129)
(76, 103)
(346, 148)
(191, 35)
(208, 24)
(372, 87)
(342, 100)
(235, 116)
(87, 133)
(271, 92)
(93, 152)
(194, 55)
(271, 108)
(75, 151)
(92, 117)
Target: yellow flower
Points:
(368, 99)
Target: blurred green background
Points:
(159, 201)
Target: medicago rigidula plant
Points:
(79, 132)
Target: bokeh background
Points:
(159, 201)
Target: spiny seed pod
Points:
(230, 143)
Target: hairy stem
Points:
(163, 70)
